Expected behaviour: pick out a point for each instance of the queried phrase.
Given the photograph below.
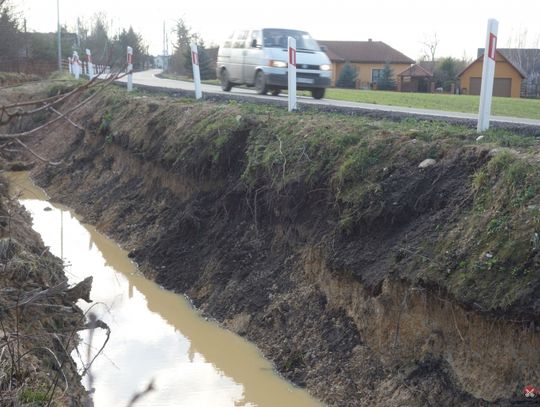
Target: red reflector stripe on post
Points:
(492, 46)
(195, 58)
(292, 56)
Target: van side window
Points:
(240, 41)
(256, 35)
(228, 41)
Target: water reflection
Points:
(155, 333)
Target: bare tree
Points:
(526, 55)
(430, 44)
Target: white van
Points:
(259, 58)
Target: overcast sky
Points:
(460, 25)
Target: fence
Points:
(29, 66)
(530, 87)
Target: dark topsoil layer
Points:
(221, 202)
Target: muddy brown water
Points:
(156, 334)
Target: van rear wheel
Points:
(317, 93)
(226, 85)
(276, 92)
(260, 83)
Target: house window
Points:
(376, 74)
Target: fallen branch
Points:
(141, 394)
(51, 122)
(67, 118)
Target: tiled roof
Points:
(363, 51)
(481, 57)
(415, 71)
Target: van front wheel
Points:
(260, 83)
(226, 85)
(317, 93)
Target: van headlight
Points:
(278, 64)
(325, 67)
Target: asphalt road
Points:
(148, 80)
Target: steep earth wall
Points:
(365, 278)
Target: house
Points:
(368, 57)
(162, 62)
(528, 60)
(415, 78)
(508, 77)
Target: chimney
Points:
(369, 40)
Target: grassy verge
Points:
(526, 108)
(511, 107)
(13, 78)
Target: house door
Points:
(501, 86)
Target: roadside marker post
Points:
(292, 73)
(488, 76)
(70, 65)
(130, 69)
(76, 65)
(196, 70)
(90, 64)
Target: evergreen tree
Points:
(386, 80)
(205, 64)
(119, 49)
(10, 36)
(98, 40)
(180, 62)
(347, 77)
(446, 72)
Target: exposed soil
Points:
(352, 278)
(38, 317)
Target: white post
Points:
(488, 76)
(90, 64)
(292, 74)
(196, 70)
(70, 66)
(130, 69)
(76, 65)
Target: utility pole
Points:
(59, 38)
(25, 40)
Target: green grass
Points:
(12, 78)
(511, 107)
(526, 108)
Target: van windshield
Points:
(277, 38)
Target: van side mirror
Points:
(254, 43)
(323, 48)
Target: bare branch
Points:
(141, 394)
(50, 122)
(430, 44)
(92, 325)
(37, 155)
(67, 118)
(60, 365)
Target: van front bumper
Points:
(304, 80)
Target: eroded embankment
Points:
(38, 316)
(365, 278)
